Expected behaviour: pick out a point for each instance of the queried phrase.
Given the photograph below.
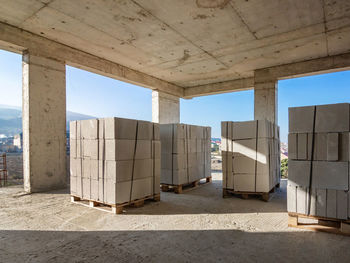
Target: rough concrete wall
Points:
(265, 101)
(165, 108)
(44, 123)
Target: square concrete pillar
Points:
(165, 108)
(266, 101)
(44, 123)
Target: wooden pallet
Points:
(245, 195)
(114, 208)
(179, 189)
(321, 224)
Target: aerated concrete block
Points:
(291, 198)
(342, 204)
(156, 150)
(119, 150)
(332, 118)
(331, 203)
(321, 202)
(90, 148)
(292, 146)
(73, 185)
(244, 182)
(263, 182)
(299, 172)
(143, 149)
(73, 130)
(156, 131)
(311, 201)
(302, 146)
(301, 200)
(118, 171)
(244, 130)
(142, 168)
(119, 128)
(89, 129)
(244, 148)
(330, 175)
(301, 119)
(332, 146)
(145, 130)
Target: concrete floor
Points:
(197, 226)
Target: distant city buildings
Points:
(215, 144)
(284, 150)
(11, 144)
(18, 141)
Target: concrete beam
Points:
(220, 87)
(305, 68)
(165, 108)
(44, 123)
(299, 69)
(13, 38)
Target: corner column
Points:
(165, 108)
(265, 97)
(44, 123)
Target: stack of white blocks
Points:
(114, 160)
(250, 156)
(327, 162)
(186, 153)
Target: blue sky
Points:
(100, 96)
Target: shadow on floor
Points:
(171, 246)
(207, 199)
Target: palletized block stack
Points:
(114, 160)
(318, 165)
(250, 156)
(186, 153)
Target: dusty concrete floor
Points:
(197, 226)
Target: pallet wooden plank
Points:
(345, 228)
(265, 196)
(292, 221)
(179, 189)
(113, 208)
(328, 225)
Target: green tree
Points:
(284, 168)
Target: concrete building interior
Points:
(179, 50)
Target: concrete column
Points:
(165, 108)
(44, 123)
(265, 100)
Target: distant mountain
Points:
(10, 127)
(10, 112)
(3, 106)
(11, 119)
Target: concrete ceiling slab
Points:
(271, 17)
(190, 42)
